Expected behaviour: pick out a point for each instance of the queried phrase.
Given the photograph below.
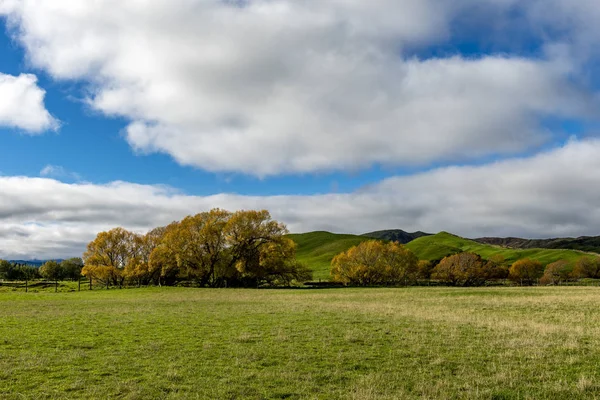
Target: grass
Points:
(421, 343)
(44, 286)
(444, 244)
(317, 249)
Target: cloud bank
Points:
(551, 194)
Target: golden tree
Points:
(219, 248)
(107, 256)
(587, 267)
(464, 269)
(556, 272)
(375, 263)
(526, 271)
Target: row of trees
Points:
(374, 263)
(51, 270)
(217, 248)
(17, 272)
(65, 270)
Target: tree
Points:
(199, 245)
(108, 255)
(276, 265)
(525, 271)
(162, 261)
(465, 269)
(5, 269)
(587, 267)
(375, 263)
(138, 267)
(52, 271)
(259, 250)
(72, 268)
(425, 269)
(556, 272)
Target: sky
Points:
(477, 117)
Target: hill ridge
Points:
(396, 235)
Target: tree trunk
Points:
(90, 282)
(26, 285)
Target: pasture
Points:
(500, 343)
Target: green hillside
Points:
(438, 246)
(317, 249)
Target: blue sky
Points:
(333, 115)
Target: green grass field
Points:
(493, 343)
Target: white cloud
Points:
(58, 172)
(550, 194)
(22, 104)
(271, 87)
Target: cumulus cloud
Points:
(271, 87)
(550, 194)
(22, 104)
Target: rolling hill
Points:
(317, 249)
(443, 244)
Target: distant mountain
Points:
(583, 243)
(396, 235)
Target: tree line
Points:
(217, 248)
(376, 263)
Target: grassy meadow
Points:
(488, 343)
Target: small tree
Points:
(5, 269)
(556, 272)
(52, 271)
(525, 271)
(465, 269)
(72, 268)
(587, 267)
(375, 263)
